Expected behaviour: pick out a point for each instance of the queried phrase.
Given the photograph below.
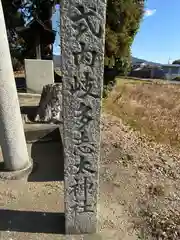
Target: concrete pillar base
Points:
(15, 175)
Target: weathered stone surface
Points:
(16, 175)
(12, 137)
(82, 29)
(50, 105)
(42, 133)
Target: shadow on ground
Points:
(48, 161)
(45, 148)
(32, 222)
(20, 84)
(30, 111)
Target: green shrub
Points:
(176, 78)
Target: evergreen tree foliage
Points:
(122, 23)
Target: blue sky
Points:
(159, 36)
(56, 27)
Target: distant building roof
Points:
(171, 65)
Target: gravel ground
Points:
(146, 176)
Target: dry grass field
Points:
(153, 108)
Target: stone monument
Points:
(50, 105)
(83, 38)
(38, 73)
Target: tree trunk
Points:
(50, 105)
(38, 47)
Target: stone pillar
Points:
(83, 38)
(11, 127)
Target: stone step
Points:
(41, 132)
